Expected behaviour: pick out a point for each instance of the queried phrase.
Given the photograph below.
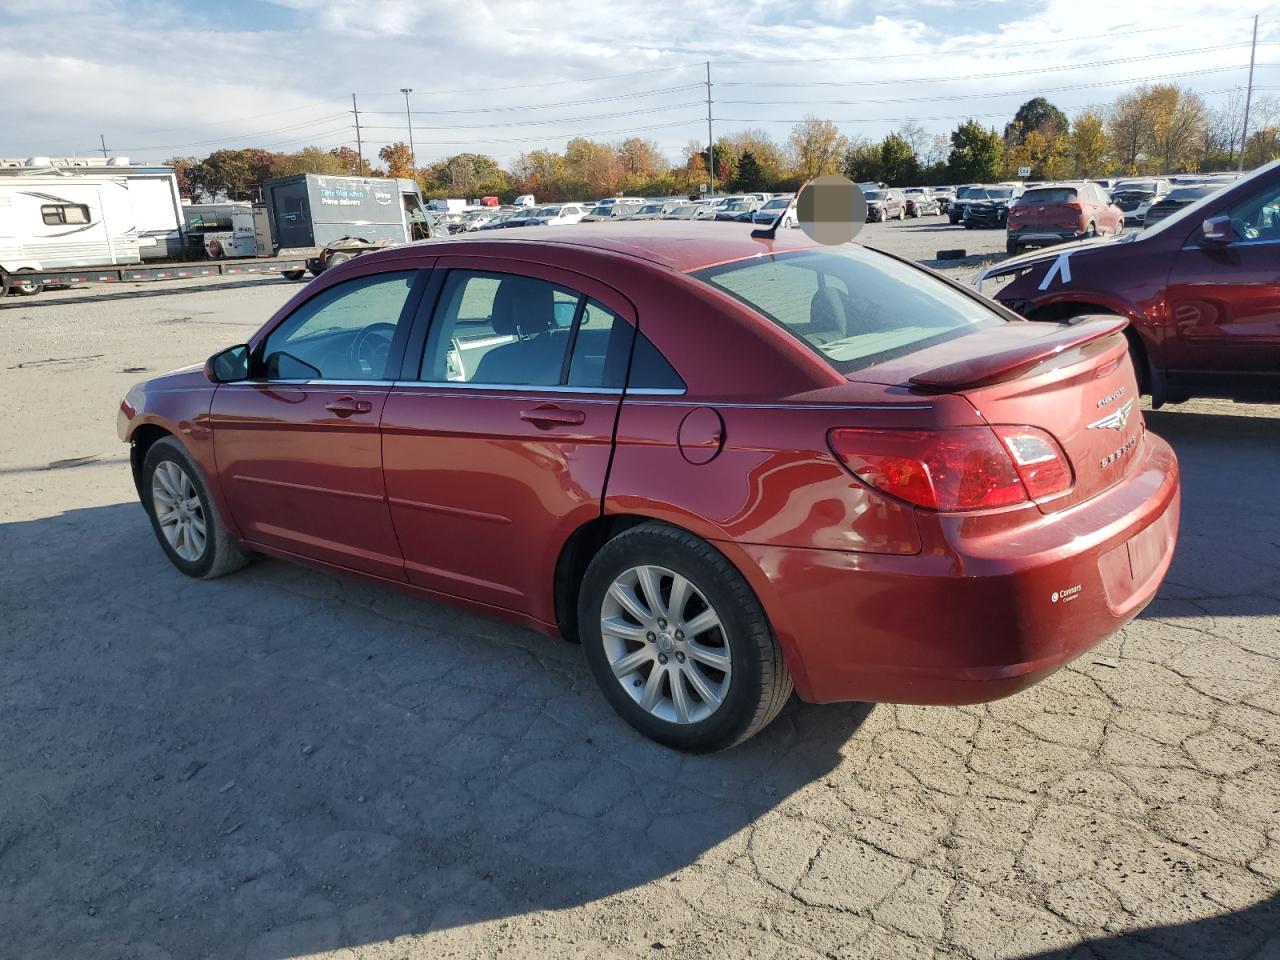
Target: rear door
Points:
(1224, 302)
(498, 439)
(297, 446)
(293, 214)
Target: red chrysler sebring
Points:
(727, 466)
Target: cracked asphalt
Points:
(285, 763)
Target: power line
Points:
(539, 106)
(986, 76)
(563, 136)
(245, 136)
(1009, 93)
(558, 83)
(543, 123)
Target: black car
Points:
(956, 204)
(1177, 198)
(988, 207)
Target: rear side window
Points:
(650, 370)
(1050, 195)
(851, 305)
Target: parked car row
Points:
(741, 208)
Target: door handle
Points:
(346, 406)
(549, 416)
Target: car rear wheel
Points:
(293, 274)
(1012, 247)
(678, 641)
(24, 287)
(185, 519)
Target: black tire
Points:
(1012, 247)
(25, 288)
(293, 274)
(760, 683)
(221, 554)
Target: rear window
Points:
(1050, 195)
(853, 306)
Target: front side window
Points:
(55, 214)
(851, 305)
(1258, 217)
(343, 333)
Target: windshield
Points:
(874, 194)
(777, 204)
(853, 306)
(601, 211)
(998, 193)
(548, 212)
(1135, 186)
(737, 207)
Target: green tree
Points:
(232, 174)
(310, 160)
(749, 177)
(1037, 114)
(862, 162)
(898, 163)
(975, 154)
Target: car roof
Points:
(679, 245)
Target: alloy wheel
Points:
(179, 511)
(665, 644)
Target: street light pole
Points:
(1248, 97)
(413, 157)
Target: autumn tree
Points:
(593, 169)
(398, 158)
(232, 174)
(1036, 115)
(1087, 144)
(767, 152)
(309, 160)
(181, 167)
(1179, 120)
(465, 175)
(351, 161)
(816, 147)
(975, 154)
(641, 158)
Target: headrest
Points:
(522, 305)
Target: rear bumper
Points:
(971, 619)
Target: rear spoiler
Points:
(1040, 342)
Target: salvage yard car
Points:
(1200, 290)
(1057, 212)
(726, 465)
(883, 205)
(988, 207)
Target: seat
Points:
(828, 319)
(524, 308)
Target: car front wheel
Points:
(185, 519)
(678, 641)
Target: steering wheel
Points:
(371, 347)
(1244, 228)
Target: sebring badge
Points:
(1113, 421)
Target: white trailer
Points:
(153, 190)
(50, 221)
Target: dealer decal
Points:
(1061, 268)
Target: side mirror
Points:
(228, 365)
(1216, 232)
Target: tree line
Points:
(1162, 128)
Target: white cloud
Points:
(166, 77)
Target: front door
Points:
(298, 447)
(1224, 301)
(496, 446)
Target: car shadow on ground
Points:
(1229, 464)
(285, 762)
(1209, 937)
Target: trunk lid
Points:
(1074, 382)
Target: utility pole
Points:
(102, 138)
(711, 146)
(1248, 97)
(413, 157)
(359, 143)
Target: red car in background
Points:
(725, 465)
(1200, 290)
(1057, 212)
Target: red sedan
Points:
(725, 465)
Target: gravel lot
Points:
(285, 763)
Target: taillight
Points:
(1076, 207)
(1038, 459)
(962, 468)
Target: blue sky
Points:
(169, 77)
